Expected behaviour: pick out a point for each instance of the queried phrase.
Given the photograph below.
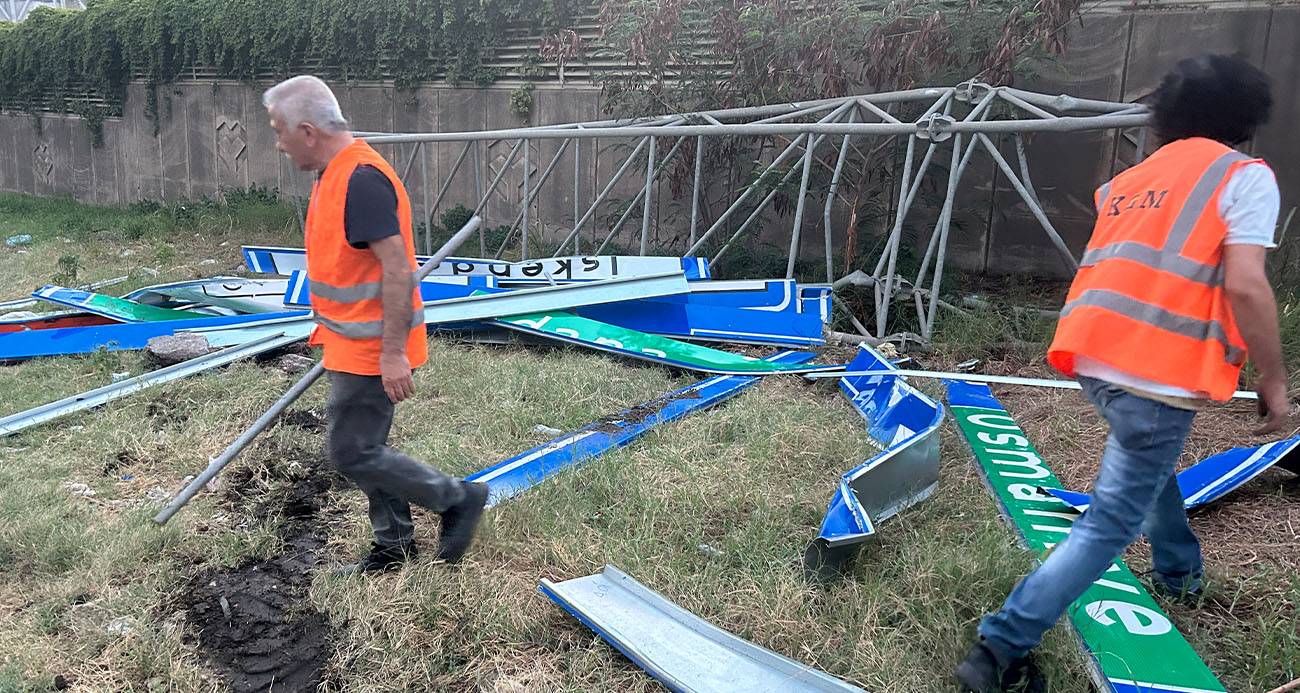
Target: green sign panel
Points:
(111, 307)
(1132, 643)
(599, 335)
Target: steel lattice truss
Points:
(956, 121)
(17, 10)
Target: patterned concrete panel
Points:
(6, 152)
(58, 136)
(44, 150)
(25, 143)
(80, 176)
(262, 158)
(230, 135)
(200, 138)
(106, 162)
(367, 108)
(171, 143)
(142, 160)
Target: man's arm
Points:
(395, 293)
(1255, 311)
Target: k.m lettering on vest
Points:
(1134, 645)
(1147, 199)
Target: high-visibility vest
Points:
(345, 282)
(1149, 298)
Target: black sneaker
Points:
(460, 520)
(381, 559)
(1191, 599)
(986, 670)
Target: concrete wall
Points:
(214, 136)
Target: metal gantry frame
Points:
(954, 122)
(17, 10)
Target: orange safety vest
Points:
(345, 282)
(1149, 298)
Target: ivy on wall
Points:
(59, 57)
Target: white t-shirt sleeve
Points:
(1249, 205)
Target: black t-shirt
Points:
(370, 210)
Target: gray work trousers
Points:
(360, 415)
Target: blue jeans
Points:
(1134, 492)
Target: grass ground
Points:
(95, 597)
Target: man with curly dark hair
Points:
(1170, 297)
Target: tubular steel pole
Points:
(794, 144)
(424, 189)
(695, 191)
(478, 192)
(830, 199)
(1033, 206)
(482, 200)
(981, 111)
(759, 208)
(797, 231)
(293, 184)
(216, 465)
(532, 192)
(651, 173)
(577, 176)
(903, 189)
(627, 213)
(605, 193)
(1024, 168)
(523, 230)
(945, 221)
(1062, 124)
(455, 168)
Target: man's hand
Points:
(1255, 311)
(1274, 406)
(395, 372)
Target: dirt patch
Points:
(167, 412)
(305, 419)
(252, 623)
(124, 459)
(641, 412)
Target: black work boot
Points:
(986, 670)
(381, 559)
(460, 520)
(1192, 599)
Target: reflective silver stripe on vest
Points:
(347, 294)
(1158, 317)
(1210, 275)
(1169, 258)
(363, 330)
(1102, 194)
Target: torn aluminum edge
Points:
(1130, 645)
(271, 260)
(488, 306)
(14, 423)
(592, 334)
(681, 650)
(509, 477)
(662, 316)
(906, 424)
(1217, 475)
